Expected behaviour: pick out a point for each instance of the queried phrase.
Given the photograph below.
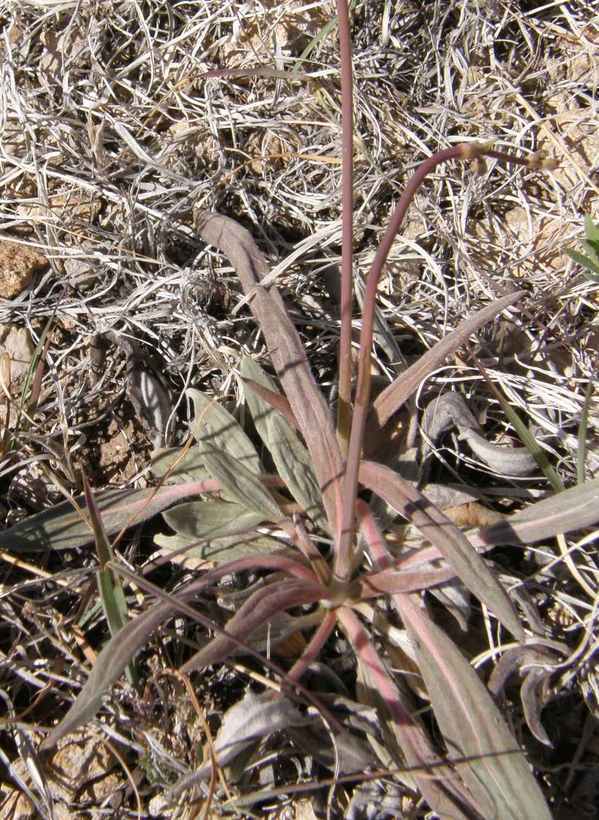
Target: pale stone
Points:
(18, 264)
(17, 344)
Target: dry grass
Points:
(111, 134)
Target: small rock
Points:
(16, 343)
(16, 353)
(18, 264)
(79, 775)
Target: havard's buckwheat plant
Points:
(327, 563)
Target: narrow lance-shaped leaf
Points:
(591, 265)
(572, 509)
(259, 608)
(62, 527)
(273, 399)
(450, 541)
(591, 246)
(119, 650)
(446, 799)
(231, 458)
(454, 714)
(394, 396)
(286, 351)
(177, 465)
(471, 723)
(291, 458)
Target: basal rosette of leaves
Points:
(308, 527)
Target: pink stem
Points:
(314, 648)
(347, 161)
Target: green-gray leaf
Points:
(215, 429)
(241, 485)
(174, 465)
(211, 519)
(218, 550)
(471, 724)
(291, 458)
(63, 527)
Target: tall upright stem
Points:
(345, 536)
(344, 410)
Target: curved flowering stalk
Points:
(464, 152)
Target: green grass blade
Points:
(527, 438)
(586, 262)
(110, 588)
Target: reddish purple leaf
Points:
(442, 533)
(286, 351)
(394, 396)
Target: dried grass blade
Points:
(582, 434)
(38, 375)
(512, 461)
(286, 351)
(450, 541)
(394, 396)
(533, 701)
(472, 724)
(32, 385)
